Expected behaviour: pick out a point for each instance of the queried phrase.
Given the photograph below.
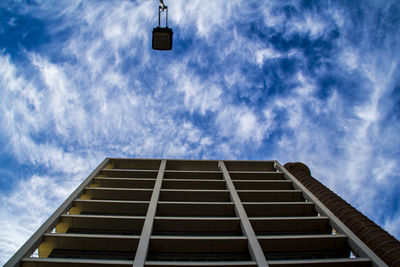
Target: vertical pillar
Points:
(254, 246)
(143, 247)
(382, 245)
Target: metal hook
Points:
(162, 5)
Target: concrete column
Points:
(384, 245)
(143, 246)
(253, 245)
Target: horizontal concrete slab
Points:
(291, 225)
(177, 174)
(209, 263)
(91, 242)
(127, 173)
(249, 165)
(51, 262)
(240, 175)
(270, 195)
(104, 193)
(103, 223)
(263, 184)
(146, 164)
(124, 182)
(194, 195)
(196, 165)
(169, 208)
(309, 243)
(262, 209)
(193, 184)
(183, 244)
(112, 207)
(196, 226)
(356, 262)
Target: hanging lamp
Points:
(162, 37)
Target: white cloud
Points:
(28, 111)
(350, 59)
(305, 87)
(352, 153)
(206, 17)
(242, 124)
(198, 95)
(266, 53)
(302, 21)
(311, 25)
(25, 209)
(392, 225)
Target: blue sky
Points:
(310, 81)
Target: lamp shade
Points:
(162, 38)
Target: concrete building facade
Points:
(159, 212)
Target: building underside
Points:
(158, 212)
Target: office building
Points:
(157, 212)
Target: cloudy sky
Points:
(310, 81)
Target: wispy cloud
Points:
(24, 210)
